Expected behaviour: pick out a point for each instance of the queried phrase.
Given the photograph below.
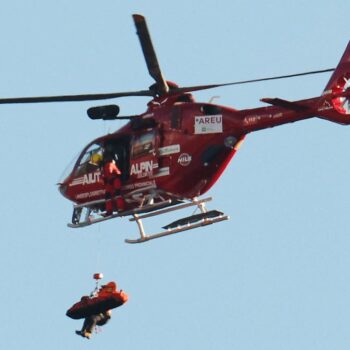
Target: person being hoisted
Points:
(96, 309)
(91, 322)
(111, 176)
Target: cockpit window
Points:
(90, 161)
(68, 168)
(87, 157)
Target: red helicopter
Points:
(177, 149)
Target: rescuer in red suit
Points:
(111, 177)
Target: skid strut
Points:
(188, 223)
(140, 226)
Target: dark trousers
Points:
(91, 322)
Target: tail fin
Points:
(335, 100)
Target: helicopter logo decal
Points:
(184, 159)
(87, 179)
(209, 124)
(142, 169)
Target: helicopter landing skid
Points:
(188, 223)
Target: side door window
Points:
(144, 155)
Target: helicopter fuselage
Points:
(178, 148)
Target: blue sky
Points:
(275, 276)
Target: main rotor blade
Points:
(94, 97)
(149, 54)
(74, 98)
(205, 87)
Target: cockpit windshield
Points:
(86, 161)
(90, 160)
(68, 168)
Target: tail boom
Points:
(333, 104)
